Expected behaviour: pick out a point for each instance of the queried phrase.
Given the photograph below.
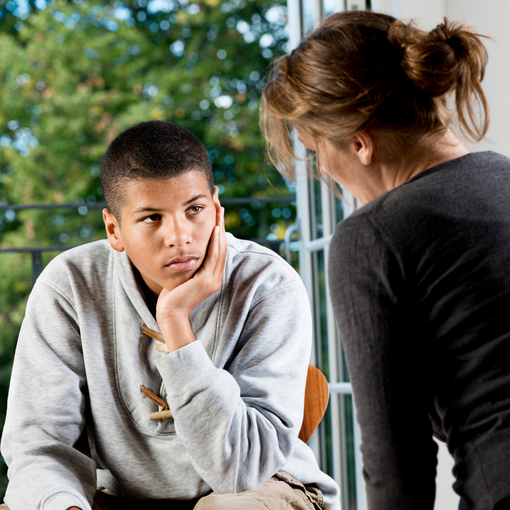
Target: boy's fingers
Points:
(210, 258)
(219, 216)
(212, 269)
(219, 230)
(218, 266)
(222, 245)
(212, 254)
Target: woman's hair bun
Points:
(437, 62)
(454, 35)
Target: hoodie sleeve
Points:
(46, 409)
(239, 423)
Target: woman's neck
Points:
(425, 155)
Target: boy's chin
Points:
(179, 279)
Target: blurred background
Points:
(74, 74)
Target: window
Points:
(336, 443)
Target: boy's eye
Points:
(195, 209)
(152, 218)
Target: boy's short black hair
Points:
(151, 150)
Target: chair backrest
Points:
(316, 402)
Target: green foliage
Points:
(73, 75)
(72, 84)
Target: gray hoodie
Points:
(77, 417)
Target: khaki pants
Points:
(281, 492)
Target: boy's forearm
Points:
(177, 333)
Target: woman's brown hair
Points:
(367, 72)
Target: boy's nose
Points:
(177, 235)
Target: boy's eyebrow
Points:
(145, 209)
(153, 209)
(193, 199)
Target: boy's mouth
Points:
(182, 264)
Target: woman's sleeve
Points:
(387, 358)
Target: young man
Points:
(167, 362)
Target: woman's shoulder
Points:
(451, 204)
(452, 185)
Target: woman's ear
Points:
(112, 230)
(363, 147)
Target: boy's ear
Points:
(112, 230)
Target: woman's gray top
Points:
(420, 283)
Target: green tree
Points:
(73, 75)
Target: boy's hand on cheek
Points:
(174, 307)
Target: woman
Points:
(420, 275)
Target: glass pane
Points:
(339, 209)
(349, 448)
(308, 7)
(331, 6)
(317, 209)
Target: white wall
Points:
(446, 498)
(489, 17)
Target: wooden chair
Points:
(316, 402)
